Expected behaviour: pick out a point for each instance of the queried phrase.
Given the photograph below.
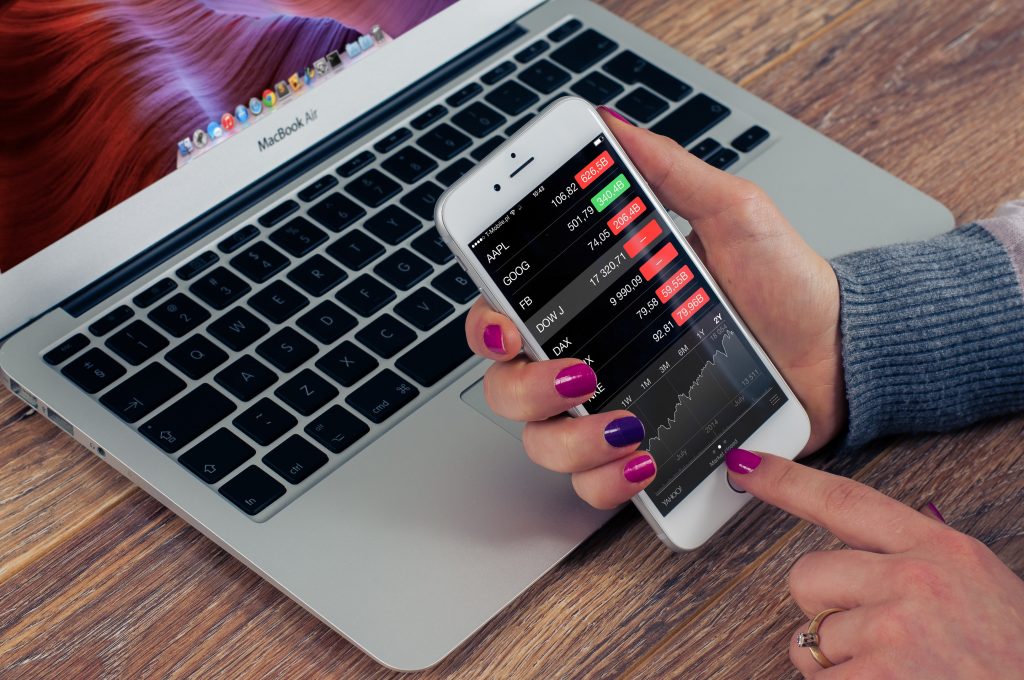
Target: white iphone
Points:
(563, 235)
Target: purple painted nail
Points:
(615, 113)
(638, 469)
(935, 511)
(624, 431)
(576, 381)
(742, 461)
(493, 339)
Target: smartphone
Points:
(563, 235)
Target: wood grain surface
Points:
(98, 580)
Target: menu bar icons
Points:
(256, 105)
(295, 82)
(282, 89)
(377, 32)
(334, 59)
(214, 130)
(227, 122)
(309, 75)
(200, 139)
(185, 147)
(241, 114)
(320, 66)
(269, 98)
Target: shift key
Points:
(187, 418)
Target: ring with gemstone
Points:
(810, 640)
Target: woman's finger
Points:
(491, 334)
(565, 444)
(614, 483)
(837, 578)
(537, 390)
(840, 639)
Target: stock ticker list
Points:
(595, 274)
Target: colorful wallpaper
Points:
(97, 93)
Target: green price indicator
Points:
(607, 196)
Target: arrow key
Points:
(216, 456)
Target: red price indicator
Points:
(596, 168)
(642, 238)
(632, 211)
(690, 307)
(666, 254)
(675, 284)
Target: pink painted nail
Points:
(576, 381)
(493, 339)
(614, 113)
(742, 461)
(935, 511)
(638, 469)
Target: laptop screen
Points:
(110, 96)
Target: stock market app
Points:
(597, 274)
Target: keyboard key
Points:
(478, 119)
(219, 288)
(596, 88)
(93, 371)
(438, 355)
(197, 265)
(307, 392)
(278, 301)
(179, 315)
(373, 188)
(298, 237)
(532, 51)
(518, 125)
(722, 158)
(544, 76)
(386, 335)
(392, 225)
(456, 284)
(317, 275)
(428, 117)
(631, 69)
(565, 30)
(287, 349)
(642, 105)
(246, 377)
(67, 349)
(484, 150)
(512, 98)
(498, 72)
(355, 250)
(336, 212)
(403, 269)
(355, 164)
(695, 117)
(453, 172)
(422, 199)
(252, 490)
(336, 429)
(464, 94)
(318, 188)
(409, 164)
(392, 140)
(278, 213)
(346, 364)
(444, 141)
(583, 51)
(433, 247)
(238, 328)
(136, 342)
(155, 292)
(750, 139)
(259, 262)
(424, 308)
(382, 396)
(111, 320)
(295, 459)
(184, 420)
(264, 422)
(196, 357)
(143, 393)
(213, 458)
(238, 239)
(327, 322)
(366, 295)
(705, 148)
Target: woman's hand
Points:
(785, 292)
(919, 599)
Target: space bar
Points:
(698, 115)
(438, 355)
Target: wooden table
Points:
(97, 579)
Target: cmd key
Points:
(187, 418)
(382, 396)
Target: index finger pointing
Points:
(857, 514)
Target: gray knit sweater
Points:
(933, 332)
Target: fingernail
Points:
(614, 113)
(935, 511)
(624, 431)
(576, 381)
(638, 469)
(493, 339)
(742, 461)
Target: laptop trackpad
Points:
(474, 396)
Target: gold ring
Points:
(810, 639)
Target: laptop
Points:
(221, 276)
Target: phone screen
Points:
(594, 274)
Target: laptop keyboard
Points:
(267, 356)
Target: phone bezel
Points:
(471, 205)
